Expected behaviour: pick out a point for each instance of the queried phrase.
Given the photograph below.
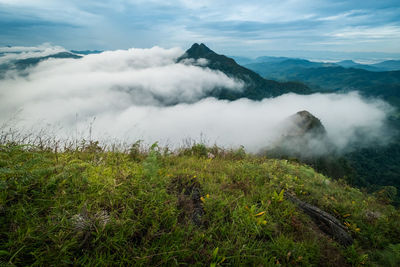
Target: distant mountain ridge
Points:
(86, 52)
(352, 64)
(256, 87)
(387, 65)
(22, 64)
(330, 77)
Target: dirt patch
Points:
(306, 229)
(189, 194)
(243, 186)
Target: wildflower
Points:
(264, 222)
(202, 199)
(260, 213)
(207, 196)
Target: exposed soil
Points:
(189, 194)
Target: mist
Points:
(143, 94)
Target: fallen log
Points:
(325, 221)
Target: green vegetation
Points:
(199, 205)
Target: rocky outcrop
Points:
(302, 136)
(304, 123)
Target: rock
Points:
(325, 221)
(302, 123)
(372, 216)
(303, 137)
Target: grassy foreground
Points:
(91, 207)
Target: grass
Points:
(88, 206)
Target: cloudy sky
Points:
(231, 27)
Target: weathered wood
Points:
(325, 221)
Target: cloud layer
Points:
(127, 95)
(234, 27)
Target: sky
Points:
(246, 28)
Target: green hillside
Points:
(196, 206)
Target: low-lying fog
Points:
(120, 95)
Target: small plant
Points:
(354, 257)
(199, 150)
(151, 164)
(387, 194)
(216, 259)
(278, 197)
(91, 147)
(134, 151)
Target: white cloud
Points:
(125, 91)
(368, 33)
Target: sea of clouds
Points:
(144, 94)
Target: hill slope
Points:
(91, 207)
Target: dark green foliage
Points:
(376, 167)
(390, 256)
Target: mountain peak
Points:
(303, 137)
(305, 122)
(255, 87)
(197, 51)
